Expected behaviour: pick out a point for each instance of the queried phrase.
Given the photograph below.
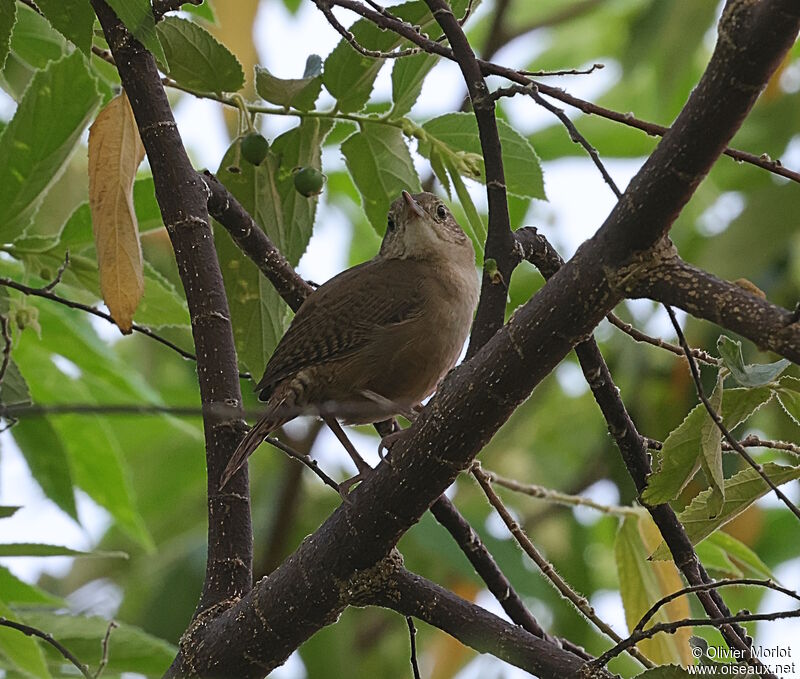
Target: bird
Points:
(375, 340)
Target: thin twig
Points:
(639, 336)
(412, 635)
(112, 625)
(307, 460)
(567, 71)
(672, 627)
(711, 585)
(324, 6)
(63, 650)
(59, 274)
(750, 441)
(559, 498)
(718, 420)
(578, 600)
(46, 294)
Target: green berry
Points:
(254, 148)
(309, 181)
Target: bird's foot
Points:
(385, 446)
(346, 486)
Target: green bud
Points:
(308, 181)
(254, 148)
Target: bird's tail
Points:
(252, 440)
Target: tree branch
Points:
(27, 630)
(499, 240)
(182, 200)
(671, 280)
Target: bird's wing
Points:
(343, 315)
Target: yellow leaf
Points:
(115, 152)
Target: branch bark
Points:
(182, 199)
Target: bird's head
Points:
(420, 226)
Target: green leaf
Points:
(408, 76)
(349, 76)
(267, 192)
(196, 60)
(456, 134)
(204, 11)
(750, 375)
(788, 393)
(34, 41)
(711, 451)
(14, 389)
(739, 551)
(137, 15)
(437, 165)
(95, 452)
(381, 166)
(131, 649)
(716, 560)
(741, 490)
(7, 511)
(74, 19)
(299, 93)
(36, 144)
(8, 17)
(22, 652)
(47, 460)
(677, 461)
(15, 549)
(161, 305)
(15, 591)
(477, 228)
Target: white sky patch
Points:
(603, 492)
(571, 380)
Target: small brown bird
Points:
(375, 340)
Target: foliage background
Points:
(140, 479)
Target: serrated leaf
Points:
(115, 152)
(711, 451)
(739, 551)
(47, 460)
(34, 41)
(131, 649)
(457, 133)
(408, 76)
(7, 510)
(741, 490)
(677, 461)
(16, 549)
(267, 192)
(74, 19)
(748, 375)
(23, 652)
(642, 583)
(137, 15)
(8, 17)
(196, 60)
(381, 166)
(788, 393)
(37, 144)
(299, 93)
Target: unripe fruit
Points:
(309, 181)
(254, 148)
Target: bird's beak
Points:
(413, 205)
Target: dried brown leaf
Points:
(115, 152)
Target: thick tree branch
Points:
(673, 281)
(182, 199)
(413, 595)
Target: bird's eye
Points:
(390, 224)
(441, 211)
